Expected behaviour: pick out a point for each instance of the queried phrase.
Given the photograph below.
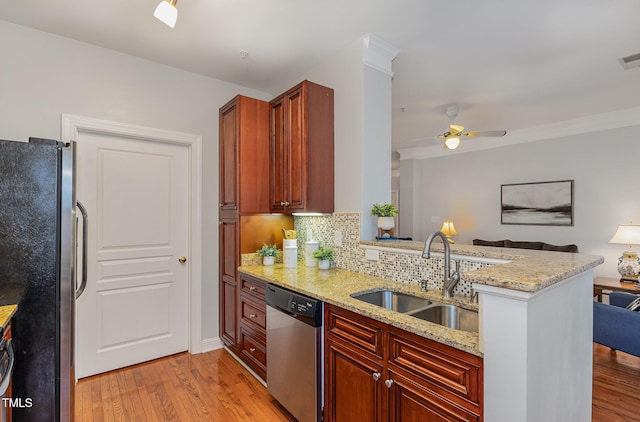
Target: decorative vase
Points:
(268, 260)
(385, 223)
(324, 264)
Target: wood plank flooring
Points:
(616, 386)
(213, 386)
(209, 387)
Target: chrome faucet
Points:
(450, 280)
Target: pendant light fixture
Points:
(167, 12)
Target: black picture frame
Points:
(537, 203)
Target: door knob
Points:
(182, 259)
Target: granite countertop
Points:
(6, 313)
(10, 296)
(336, 285)
(527, 270)
(523, 270)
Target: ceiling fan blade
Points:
(455, 129)
(486, 134)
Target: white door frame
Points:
(72, 126)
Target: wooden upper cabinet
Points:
(244, 156)
(301, 150)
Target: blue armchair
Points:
(617, 327)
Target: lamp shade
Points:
(452, 143)
(627, 234)
(167, 12)
(448, 228)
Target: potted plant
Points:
(324, 255)
(385, 213)
(268, 254)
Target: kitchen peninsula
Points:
(535, 316)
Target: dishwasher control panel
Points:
(297, 305)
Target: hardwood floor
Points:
(616, 386)
(209, 387)
(213, 386)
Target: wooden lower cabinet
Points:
(355, 391)
(252, 319)
(375, 372)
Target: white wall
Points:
(344, 73)
(466, 188)
(43, 76)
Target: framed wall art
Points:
(541, 203)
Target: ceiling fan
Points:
(455, 132)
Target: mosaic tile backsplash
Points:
(401, 266)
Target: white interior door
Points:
(136, 303)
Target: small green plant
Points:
(267, 250)
(384, 210)
(323, 254)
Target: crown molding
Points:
(378, 54)
(589, 124)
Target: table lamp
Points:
(448, 229)
(628, 263)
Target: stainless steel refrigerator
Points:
(37, 260)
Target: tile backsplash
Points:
(400, 266)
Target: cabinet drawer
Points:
(355, 330)
(252, 313)
(449, 371)
(253, 352)
(252, 286)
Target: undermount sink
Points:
(394, 301)
(449, 316)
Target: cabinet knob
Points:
(376, 376)
(221, 205)
(282, 204)
(253, 349)
(286, 204)
(388, 383)
(252, 288)
(253, 316)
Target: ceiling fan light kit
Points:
(451, 143)
(455, 132)
(167, 12)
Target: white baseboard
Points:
(211, 344)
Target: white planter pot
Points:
(324, 264)
(268, 260)
(385, 223)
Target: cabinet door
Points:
(278, 156)
(295, 135)
(354, 386)
(410, 402)
(229, 156)
(228, 281)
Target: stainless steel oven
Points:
(294, 352)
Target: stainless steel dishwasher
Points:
(294, 352)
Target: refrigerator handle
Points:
(85, 231)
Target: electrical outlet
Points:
(337, 238)
(372, 254)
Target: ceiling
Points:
(507, 64)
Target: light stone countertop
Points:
(527, 271)
(335, 286)
(6, 313)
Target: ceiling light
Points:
(452, 143)
(167, 12)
